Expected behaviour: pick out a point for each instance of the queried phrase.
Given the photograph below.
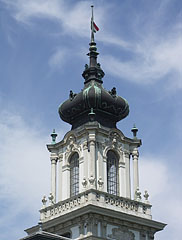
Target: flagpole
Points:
(92, 27)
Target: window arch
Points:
(112, 173)
(74, 174)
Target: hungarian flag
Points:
(94, 27)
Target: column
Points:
(60, 183)
(127, 173)
(53, 174)
(135, 170)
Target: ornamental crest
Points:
(113, 142)
(72, 145)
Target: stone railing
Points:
(97, 198)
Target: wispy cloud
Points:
(59, 57)
(151, 61)
(154, 56)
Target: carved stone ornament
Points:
(84, 182)
(72, 145)
(113, 142)
(146, 195)
(44, 201)
(121, 234)
(51, 199)
(100, 182)
(92, 180)
(138, 195)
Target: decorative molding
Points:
(72, 146)
(121, 233)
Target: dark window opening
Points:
(74, 175)
(112, 173)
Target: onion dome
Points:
(93, 103)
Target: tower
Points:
(91, 195)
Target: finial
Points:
(51, 199)
(137, 196)
(134, 130)
(91, 115)
(40, 226)
(44, 201)
(53, 135)
(146, 196)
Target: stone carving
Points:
(92, 180)
(121, 234)
(84, 182)
(44, 201)
(138, 195)
(146, 196)
(51, 199)
(100, 183)
(85, 145)
(113, 142)
(72, 145)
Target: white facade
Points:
(93, 213)
(92, 143)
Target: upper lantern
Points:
(94, 103)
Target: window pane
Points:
(112, 173)
(74, 175)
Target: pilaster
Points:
(127, 171)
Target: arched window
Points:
(74, 175)
(112, 173)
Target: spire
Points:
(93, 71)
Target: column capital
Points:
(54, 160)
(135, 153)
(53, 157)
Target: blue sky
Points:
(43, 51)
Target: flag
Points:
(94, 27)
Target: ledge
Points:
(96, 198)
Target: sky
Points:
(43, 46)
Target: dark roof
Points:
(94, 103)
(42, 235)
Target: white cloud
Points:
(154, 56)
(24, 171)
(151, 62)
(165, 195)
(59, 57)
